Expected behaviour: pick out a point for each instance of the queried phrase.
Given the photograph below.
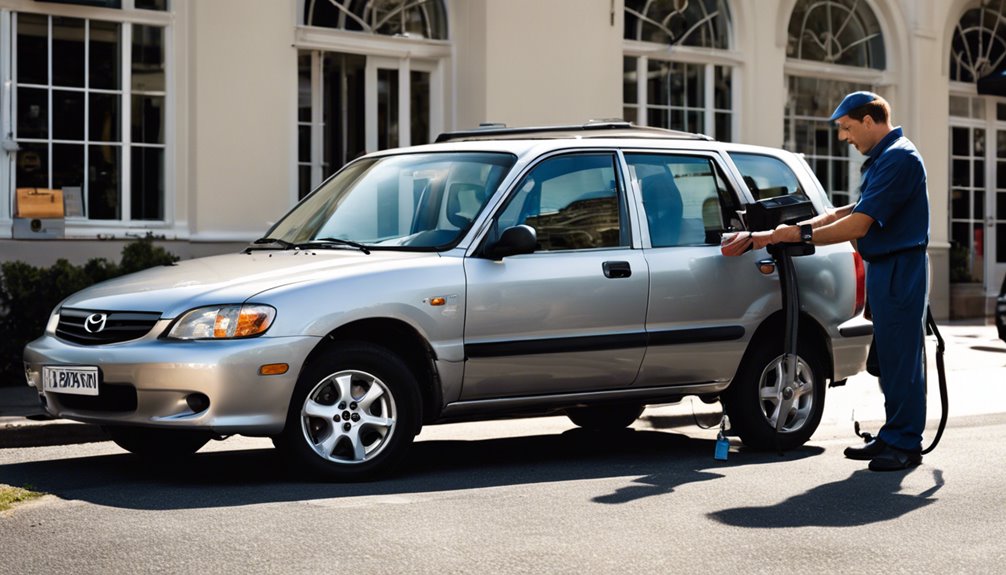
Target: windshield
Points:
(422, 201)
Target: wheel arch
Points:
(404, 341)
(774, 327)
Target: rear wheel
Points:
(605, 417)
(756, 398)
(157, 443)
(354, 413)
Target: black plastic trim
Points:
(603, 342)
(856, 330)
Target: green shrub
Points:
(28, 294)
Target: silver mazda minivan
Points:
(499, 272)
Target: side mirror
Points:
(513, 241)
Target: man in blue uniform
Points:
(890, 224)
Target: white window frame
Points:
(127, 16)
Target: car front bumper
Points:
(162, 374)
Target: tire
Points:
(754, 396)
(353, 414)
(605, 417)
(157, 443)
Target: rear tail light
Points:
(857, 261)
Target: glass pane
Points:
(1001, 174)
(960, 204)
(304, 143)
(148, 119)
(960, 173)
(67, 115)
(979, 148)
(67, 166)
(104, 58)
(961, 141)
(1001, 144)
(32, 49)
(387, 108)
(723, 128)
(960, 106)
(658, 84)
(161, 5)
(768, 177)
(105, 115)
(1001, 206)
(629, 78)
(419, 107)
(695, 122)
(303, 181)
(978, 108)
(103, 169)
(148, 58)
(343, 110)
(979, 205)
(68, 52)
(723, 88)
(304, 87)
(1001, 243)
(1001, 112)
(695, 86)
(147, 190)
(32, 113)
(658, 117)
(32, 166)
(979, 174)
(842, 32)
(629, 114)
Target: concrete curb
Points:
(56, 432)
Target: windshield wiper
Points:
(326, 242)
(269, 243)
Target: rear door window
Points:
(686, 199)
(767, 176)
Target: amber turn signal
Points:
(273, 369)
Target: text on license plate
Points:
(78, 380)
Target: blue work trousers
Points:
(897, 289)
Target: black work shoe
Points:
(893, 459)
(867, 452)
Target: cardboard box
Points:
(39, 203)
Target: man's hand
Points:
(738, 243)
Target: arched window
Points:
(408, 18)
(834, 47)
(359, 96)
(978, 146)
(844, 32)
(690, 87)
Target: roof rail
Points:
(592, 129)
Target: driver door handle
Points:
(615, 270)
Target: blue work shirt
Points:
(893, 193)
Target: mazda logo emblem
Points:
(95, 322)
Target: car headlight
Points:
(223, 322)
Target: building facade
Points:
(201, 121)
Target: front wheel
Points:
(756, 398)
(353, 414)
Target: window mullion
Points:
(642, 63)
(317, 117)
(404, 101)
(709, 119)
(125, 150)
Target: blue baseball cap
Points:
(851, 102)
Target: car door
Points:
(569, 316)
(702, 306)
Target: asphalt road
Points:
(537, 496)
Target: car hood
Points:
(227, 279)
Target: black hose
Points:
(941, 370)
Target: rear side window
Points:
(686, 199)
(572, 202)
(767, 176)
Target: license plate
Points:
(77, 380)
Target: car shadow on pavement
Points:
(863, 498)
(244, 477)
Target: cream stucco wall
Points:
(240, 136)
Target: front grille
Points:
(118, 326)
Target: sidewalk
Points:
(976, 366)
